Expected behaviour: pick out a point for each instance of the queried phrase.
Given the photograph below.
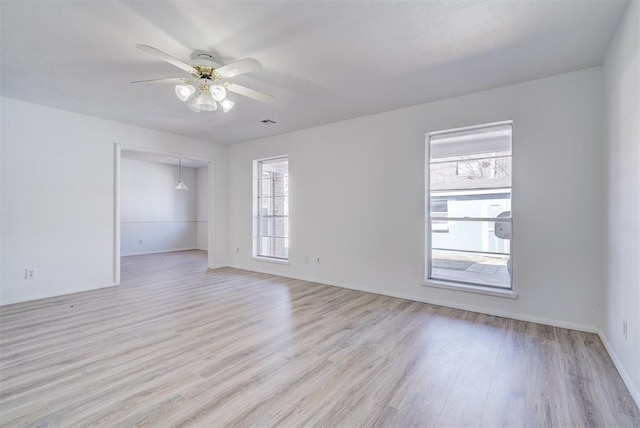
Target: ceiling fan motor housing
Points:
(204, 59)
(206, 66)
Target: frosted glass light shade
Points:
(192, 106)
(184, 91)
(226, 105)
(181, 185)
(205, 102)
(209, 107)
(218, 93)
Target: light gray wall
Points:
(357, 199)
(154, 216)
(621, 199)
(58, 175)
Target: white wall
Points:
(357, 199)
(154, 216)
(202, 208)
(621, 201)
(58, 197)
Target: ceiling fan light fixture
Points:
(192, 105)
(208, 107)
(218, 92)
(204, 101)
(207, 83)
(226, 105)
(184, 91)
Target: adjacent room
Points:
(163, 209)
(320, 213)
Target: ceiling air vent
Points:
(267, 121)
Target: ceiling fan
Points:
(208, 82)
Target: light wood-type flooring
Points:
(176, 345)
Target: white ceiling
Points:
(324, 61)
(159, 158)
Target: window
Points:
(271, 208)
(468, 189)
(439, 208)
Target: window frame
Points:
(257, 253)
(450, 283)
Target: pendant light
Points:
(180, 185)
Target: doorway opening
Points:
(158, 222)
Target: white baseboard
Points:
(168, 250)
(449, 304)
(633, 389)
(52, 294)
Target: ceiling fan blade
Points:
(171, 60)
(248, 92)
(169, 80)
(239, 67)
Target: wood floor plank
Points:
(179, 345)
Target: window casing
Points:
(271, 208)
(471, 170)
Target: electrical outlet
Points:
(306, 259)
(317, 260)
(237, 249)
(30, 273)
(624, 329)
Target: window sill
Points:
(270, 260)
(509, 294)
